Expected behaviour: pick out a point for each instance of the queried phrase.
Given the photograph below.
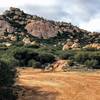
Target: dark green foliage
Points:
(91, 63)
(90, 49)
(7, 80)
(46, 58)
(32, 46)
(7, 94)
(8, 58)
(34, 64)
(18, 44)
(66, 55)
(81, 57)
(89, 58)
(24, 55)
(7, 74)
(20, 54)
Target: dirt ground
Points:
(38, 85)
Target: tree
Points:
(7, 80)
(46, 58)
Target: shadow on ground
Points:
(35, 93)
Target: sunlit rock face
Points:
(92, 46)
(5, 27)
(41, 29)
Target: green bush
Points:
(19, 43)
(9, 59)
(46, 58)
(24, 55)
(7, 80)
(89, 58)
(66, 55)
(32, 46)
(81, 57)
(34, 64)
(91, 63)
(7, 94)
(7, 74)
(90, 49)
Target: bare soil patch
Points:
(38, 85)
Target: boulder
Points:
(61, 65)
(75, 45)
(71, 45)
(94, 46)
(67, 46)
(26, 41)
(41, 29)
(6, 27)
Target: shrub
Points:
(32, 46)
(7, 79)
(91, 63)
(46, 58)
(66, 55)
(90, 49)
(31, 54)
(34, 64)
(24, 55)
(19, 43)
(20, 54)
(7, 94)
(81, 57)
(9, 59)
(7, 74)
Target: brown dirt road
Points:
(59, 85)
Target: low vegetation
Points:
(37, 57)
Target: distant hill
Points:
(29, 40)
(15, 25)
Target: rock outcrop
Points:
(71, 45)
(37, 26)
(92, 46)
(41, 29)
(61, 65)
(16, 21)
(5, 27)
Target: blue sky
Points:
(83, 13)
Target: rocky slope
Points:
(19, 23)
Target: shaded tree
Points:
(7, 80)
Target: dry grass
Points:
(59, 85)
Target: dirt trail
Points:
(59, 85)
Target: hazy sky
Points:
(83, 13)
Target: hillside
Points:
(29, 40)
(15, 25)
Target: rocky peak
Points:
(13, 11)
(15, 20)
